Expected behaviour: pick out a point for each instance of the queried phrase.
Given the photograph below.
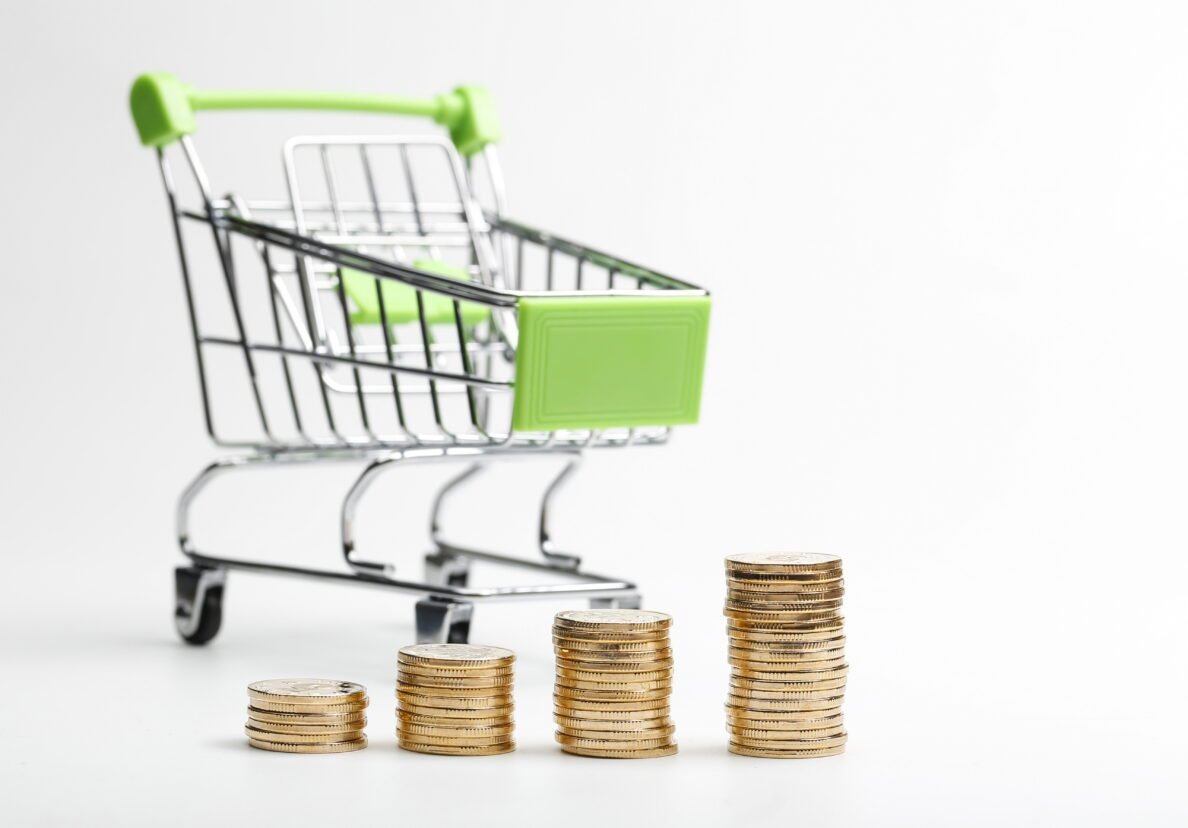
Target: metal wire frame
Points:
(301, 248)
(303, 266)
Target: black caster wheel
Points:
(198, 613)
(443, 622)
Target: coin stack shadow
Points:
(614, 680)
(306, 715)
(787, 657)
(455, 699)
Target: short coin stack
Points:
(614, 679)
(455, 699)
(307, 715)
(788, 667)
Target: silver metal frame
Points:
(462, 369)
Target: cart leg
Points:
(559, 559)
(631, 600)
(443, 622)
(198, 612)
(446, 569)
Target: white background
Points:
(945, 242)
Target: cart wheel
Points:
(199, 603)
(448, 570)
(443, 622)
(631, 600)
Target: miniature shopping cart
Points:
(387, 312)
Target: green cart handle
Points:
(163, 108)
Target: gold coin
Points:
(651, 645)
(562, 691)
(450, 682)
(835, 659)
(307, 691)
(764, 674)
(770, 606)
(785, 612)
(796, 649)
(584, 703)
(795, 645)
(615, 667)
(757, 669)
(586, 714)
(308, 729)
(752, 737)
(416, 720)
(311, 709)
(762, 680)
(438, 671)
(785, 754)
(316, 719)
(800, 744)
(822, 639)
(615, 686)
(782, 562)
(811, 590)
(750, 622)
(454, 692)
(409, 737)
(652, 753)
(491, 734)
(613, 676)
(772, 656)
(799, 690)
(824, 576)
(822, 710)
(456, 656)
(770, 725)
(610, 636)
(628, 659)
(609, 744)
(740, 599)
(260, 735)
(631, 620)
(768, 681)
(753, 669)
(811, 701)
(454, 702)
(459, 750)
(326, 747)
(656, 734)
(570, 723)
(411, 708)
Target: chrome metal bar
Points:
(322, 356)
(589, 586)
(547, 548)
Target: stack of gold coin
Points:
(455, 699)
(787, 655)
(614, 679)
(306, 715)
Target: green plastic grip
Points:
(163, 109)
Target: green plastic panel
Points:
(616, 361)
(400, 300)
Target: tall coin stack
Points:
(787, 656)
(455, 699)
(614, 680)
(307, 715)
